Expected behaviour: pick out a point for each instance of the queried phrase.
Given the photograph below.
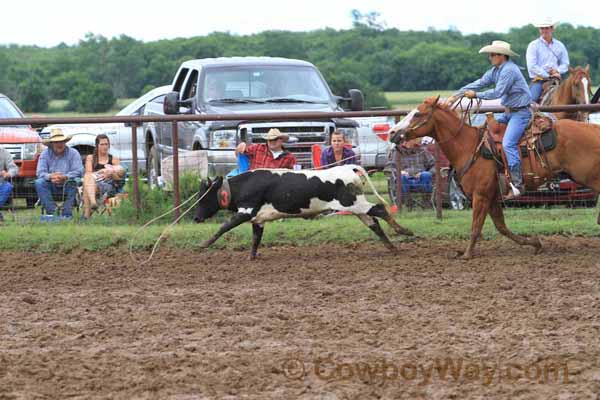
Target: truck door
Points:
(187, 129)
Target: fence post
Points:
(175, 137)
(134, 162)
(398, 178)
(438, 183)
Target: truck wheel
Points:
(153, 167)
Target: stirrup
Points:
(513, 194)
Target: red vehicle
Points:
(25, 145)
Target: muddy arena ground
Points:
(330, 322)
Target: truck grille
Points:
(15, 150)
(302, 137)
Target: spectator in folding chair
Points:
(58, 170)
(417, 166)
(8, 169)
(103, 175)
(269, 155)
(339, 153)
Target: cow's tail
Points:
(366, 175)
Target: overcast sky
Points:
(50, 22)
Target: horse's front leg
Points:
(498, 217)
(481, 205)
(236, 220)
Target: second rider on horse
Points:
(511, 88)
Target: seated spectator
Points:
(103, 175)
(270, 155)
(57, 169)
(416, 167)
(338, 153)
(8, 169)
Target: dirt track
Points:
(304, 323)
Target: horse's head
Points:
(580, 84)
(418, 123)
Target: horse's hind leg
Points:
(480, 208)
(373, 224)
(379, 211)
(498, 217)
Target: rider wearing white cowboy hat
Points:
(510, 87)
(56, 165)
(546, 57)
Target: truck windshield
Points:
(7, 110)
(264, 83)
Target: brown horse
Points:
(576, 89)
(577, 153)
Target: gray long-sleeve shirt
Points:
(7, 163)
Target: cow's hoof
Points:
(253, 257)
(204, 245)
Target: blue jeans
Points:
(5, 191)
(516, 124)
(536, 90)
(420, 184)
(45, 191)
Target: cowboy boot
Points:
(516, 183)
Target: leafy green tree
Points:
(91, 97)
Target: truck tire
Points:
(153, 167)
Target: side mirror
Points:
(356, 100)
(171, 103)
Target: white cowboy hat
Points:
(57, 135)
(275, 133)
(500, 47)
(546, 23)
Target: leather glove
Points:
(451, 100)
(470, 94)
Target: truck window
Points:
(180, 78)
(264, 83)
(191, 85)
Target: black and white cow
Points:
(265, 195)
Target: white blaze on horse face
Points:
(405, 122)
(586, 91)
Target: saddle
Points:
(538, 139)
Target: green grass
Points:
(409, 100)
(28, 234)
(56, 108)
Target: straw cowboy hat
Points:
(57, 135)
(547, 22)
(275, 133)
(500, 47)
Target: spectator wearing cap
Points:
(57, 167)
(337, 153)
(8, 169)
(269, 155)
(547, 58)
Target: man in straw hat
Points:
(511, 88)
(57, 165)
(270, 155)
(546, 58)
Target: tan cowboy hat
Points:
(500, 47)
(57, 135)
(275, 133)
(546, 23)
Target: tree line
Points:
(97, 70)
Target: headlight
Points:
(351, 135)
(29, 151)
(223, 139)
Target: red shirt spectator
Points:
(270, 155)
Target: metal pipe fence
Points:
(136, 121)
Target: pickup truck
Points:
(245, 85)
(374, 140)
(24, 144)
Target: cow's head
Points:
(209, 204)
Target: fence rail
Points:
(136, 121)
